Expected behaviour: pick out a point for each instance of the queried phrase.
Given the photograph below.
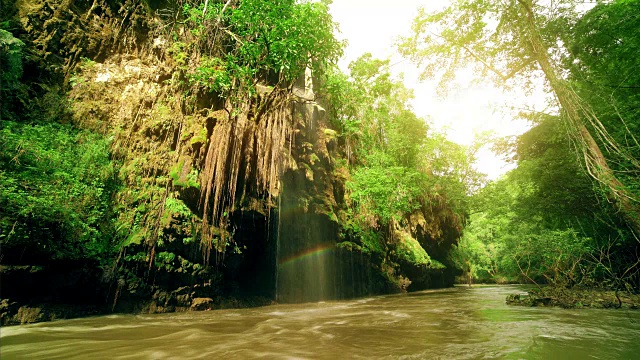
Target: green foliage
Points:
(602, 59)
(55, 190)
(285, 36)
(345, 99)
(348, 245)
(165, 262)
(170, 262)
(190, 180)
(212, 74)
(480, 251)
(179, 52)
(542, 221)
(549, 200)
(492, 37)
(373, 123)
(396, 167)
(263, 39)
(370, 240)
(410, 250)
(11, 88)
(388, 192)
(174, 208)
(519, 42)
(398, 163)
(10, 61)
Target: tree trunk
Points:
(576, 114)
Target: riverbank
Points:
(15, 313)
(455, 323)
(575, 298)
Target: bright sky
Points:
(374, 26)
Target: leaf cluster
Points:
(234, 44)
(397, 167)
(543, 221)
(55, 191)
(11, 88)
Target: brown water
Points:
(458, 323)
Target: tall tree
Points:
(514, 42)
(603, 62)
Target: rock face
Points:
(310, 266)
(218, 197)
(201, 177)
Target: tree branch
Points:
(493, 69)
(489, 66)
(222, 11)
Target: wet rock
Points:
(11, 313)
(527, 300)
(183, 300)
(575, 298)
(200, 304)
(7, 310)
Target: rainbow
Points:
(306, 254)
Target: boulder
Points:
(200, 304)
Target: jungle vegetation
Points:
(568, 215)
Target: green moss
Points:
(333, 217)
(179, 52)
(201, 137)
(135, 238)
(409, 249)
(348, 245)
(313, 159)
(330, 134)
(176, 171)
(372, 242)
(161, 117)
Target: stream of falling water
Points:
(305, 249)
(278, 243)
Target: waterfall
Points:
(305, 250)
(277, 262)
(309, 265)
(306, 237)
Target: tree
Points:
(232, 45)
(513, 42)
(389, 140)
(604, 72)
(406, 184)
(545, 221)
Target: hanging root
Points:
(244, 157)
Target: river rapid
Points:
(456, 323)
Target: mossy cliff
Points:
(201, 158)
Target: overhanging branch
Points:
(487, 65)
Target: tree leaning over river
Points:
(586, 61)
(509, 42)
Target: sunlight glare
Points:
(469, 109)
